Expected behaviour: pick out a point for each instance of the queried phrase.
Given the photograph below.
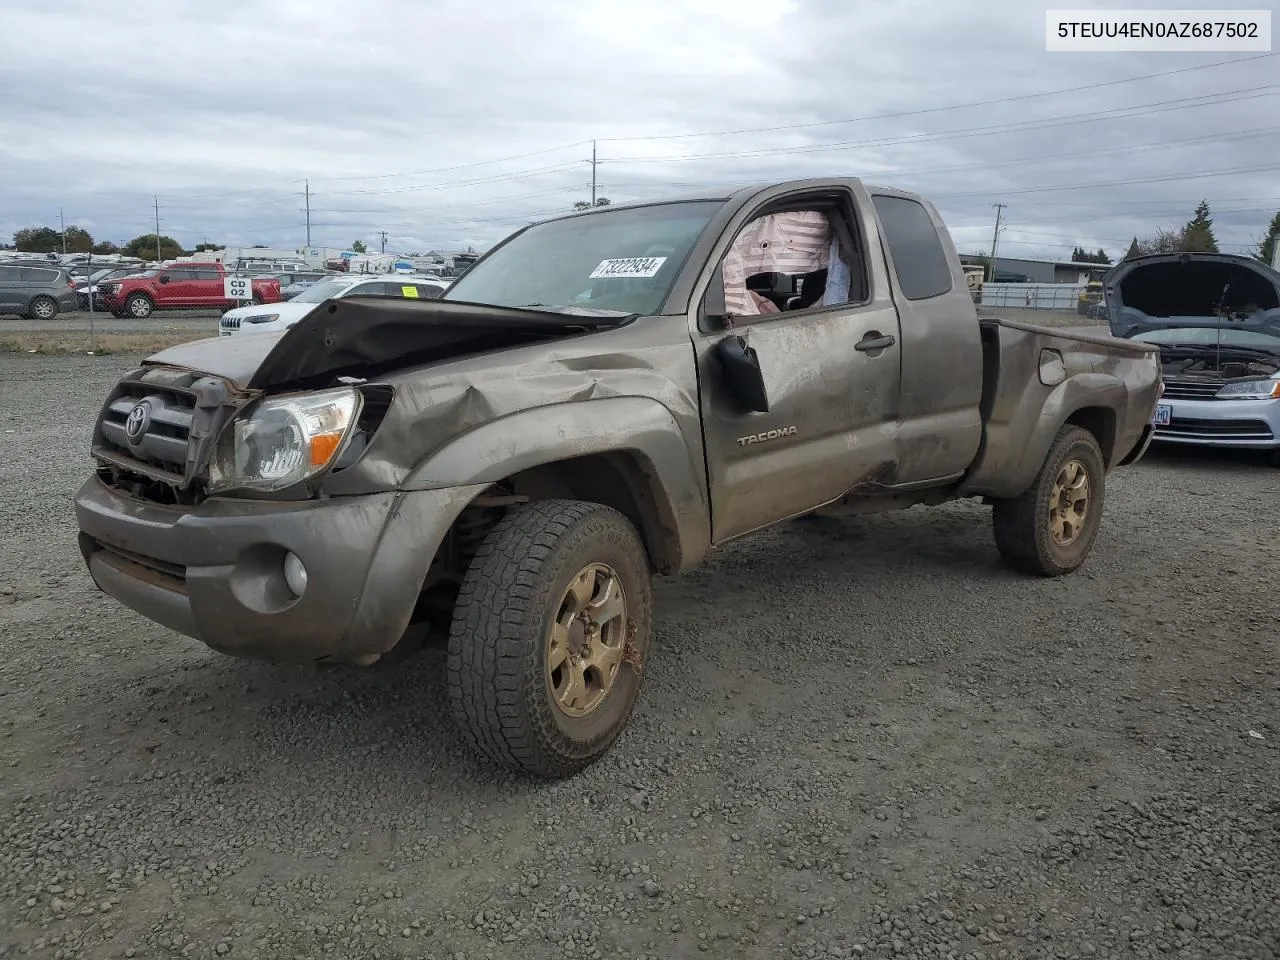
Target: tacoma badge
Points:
(767, 435)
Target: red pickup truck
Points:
(178, 286)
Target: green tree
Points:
(145, 247)
(1134, 250)
(202, 247)
(1080, 255)
(78, 240)
(1198, 234)
(359, 247)
(38, 240)
(104, 247)
(586, 204)
(1266, 246)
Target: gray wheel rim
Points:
(139, 308)
(43, 309)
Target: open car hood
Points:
(367, 336)
(1167, 291)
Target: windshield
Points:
(623, 260)
(321, 291)
(1209, 337)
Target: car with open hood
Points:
(602, 398)
(1215, 318)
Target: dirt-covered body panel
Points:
(607, 370)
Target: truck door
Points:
(801, 286)
(178, 287)
(207, 289)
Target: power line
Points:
(1266, 168)
(1114, 113)
(783, 127)
(957, 106)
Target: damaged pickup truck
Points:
(1216, 320)
(601, 398)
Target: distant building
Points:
(1012, 270)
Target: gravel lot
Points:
(857, 738)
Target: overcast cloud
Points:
(400, 114)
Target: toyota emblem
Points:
(135, 425)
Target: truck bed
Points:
(1034, 377)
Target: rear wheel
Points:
(1050, 529)
(43, 308)
(139, 306)
(549, 636)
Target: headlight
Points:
(262, 318)
(284, 440)
(1250, 390)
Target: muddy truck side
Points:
(601, 399)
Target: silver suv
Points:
(35, 290)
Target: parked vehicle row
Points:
(282, 316)
(179, 286)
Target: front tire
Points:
(549, 637)
(1050, 529)
(139, 306)
(43, 308)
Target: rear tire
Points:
(1050, 529)
(549, 637)
(139, 306)
(43, 308)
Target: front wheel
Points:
(1050, 529)
(549, 637)
(139, 306)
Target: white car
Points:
(274, 317)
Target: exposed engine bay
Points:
(1212, 364)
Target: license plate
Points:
(1164, 413)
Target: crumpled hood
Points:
(1167, 291)
(366, 336)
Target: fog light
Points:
(295, 574)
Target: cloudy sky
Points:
(451, 123)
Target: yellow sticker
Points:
(409, 292)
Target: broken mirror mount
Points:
(737, 358)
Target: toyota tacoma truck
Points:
(602, 398)
(179, 286)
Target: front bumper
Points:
(1240, 424)
(215, 572)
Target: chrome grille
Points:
(229, 323)
(1181, 389)
(164, 440)
(175, 413)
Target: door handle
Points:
(874, 340)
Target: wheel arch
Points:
(628, 453)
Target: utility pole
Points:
(158, 257)
(308, 182)
(995, 237)
(593, 174)
(63, 221)
(384, 241)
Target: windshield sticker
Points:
(409, 292)
(635, 267)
